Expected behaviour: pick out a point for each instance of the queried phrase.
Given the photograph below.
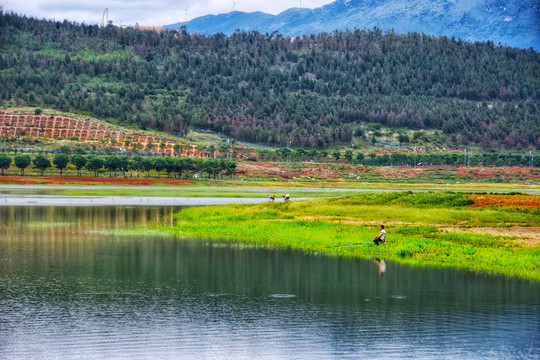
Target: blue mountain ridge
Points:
(512, 22)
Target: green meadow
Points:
(420, 227)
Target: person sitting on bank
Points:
(381, 238)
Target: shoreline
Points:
(291, 188)
(51, 200)
(423, 230)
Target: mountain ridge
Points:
(513, 23)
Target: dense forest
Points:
(313, 91)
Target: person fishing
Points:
(381, 238)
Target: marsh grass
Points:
(345, 226)
(133, 232)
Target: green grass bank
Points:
(421, 228)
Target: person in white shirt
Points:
(381, 238)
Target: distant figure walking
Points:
(286, 197)
(271, 198)
(381, 238)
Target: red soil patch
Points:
(505, 200)
(308, 170)
(58, 180)
(502, 172)
(342, 170)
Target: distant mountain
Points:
(514, 23)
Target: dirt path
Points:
(526, 235)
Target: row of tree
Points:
(309, 91)
(400, 159)
(216, 168)
(455, 159)
(177, 167)
(62, 153)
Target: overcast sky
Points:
(146, 12)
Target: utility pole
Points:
(105, 16)
(289, 153)
(531, 159)
(415, 157)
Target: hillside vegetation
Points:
(314, 91)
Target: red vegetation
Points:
(505, 200)
(502, 172)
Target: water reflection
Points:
(58, 219)
(68, 290)
(382, 266)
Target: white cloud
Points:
(156, 12)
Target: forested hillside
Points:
(311, 91)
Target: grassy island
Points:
(424, 229)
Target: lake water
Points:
(69, 290)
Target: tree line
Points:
(466, 158)
(173, 167)
(217, 168)
(311, 91)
